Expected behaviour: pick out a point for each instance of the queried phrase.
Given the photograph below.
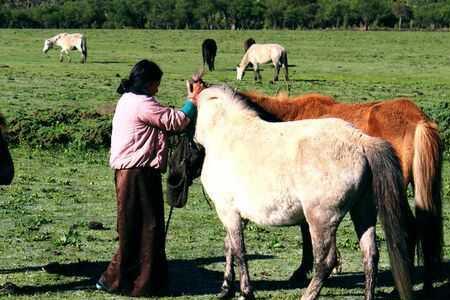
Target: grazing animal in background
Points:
(248, 42)
(261, 54)
(416, 141)
(286, 173)
(6, 162)
(209, 51)
(67, 42)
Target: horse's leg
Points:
(68, 55)
(286, 75)
(301, 274)
(256, 71)
(364, 217)
(228, 278)
(276, 71)
(61, 56)
(323, 236)
(236, 241)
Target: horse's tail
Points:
(84, 48)
(396, 217)
(427, 167)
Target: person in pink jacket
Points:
(138, 155)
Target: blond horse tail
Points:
(396, 218)
(427, 167)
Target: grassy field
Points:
(44, 215)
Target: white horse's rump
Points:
(261, 54)
(67, 42)
(283, 173)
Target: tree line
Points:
(226, 14)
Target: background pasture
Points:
(60, 121)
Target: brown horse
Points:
(6, 163)
(416, 141)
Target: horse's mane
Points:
(283, 97)
(282, 105)
(243, 102)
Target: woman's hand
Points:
(193, 89)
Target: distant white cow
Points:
(67, 42)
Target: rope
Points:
(206, 198)
(168, 222)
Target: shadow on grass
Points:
(189, 277)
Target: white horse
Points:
(283, 173)
(67, 42)
(261, 54)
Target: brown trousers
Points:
(139, 266)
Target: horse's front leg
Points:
(256, 71)
(236, 239)
(301, 274)
(61, 56)
(228, 288)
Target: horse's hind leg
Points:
(276, 72)
(364, 219)
(228, 277)
(323, 235)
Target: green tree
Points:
(402, 10)
(370, 11)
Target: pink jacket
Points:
(139, 132)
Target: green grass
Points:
(44, 215)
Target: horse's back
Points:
(71, 39)
(262, 53)
(281, 165)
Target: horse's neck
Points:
(280, 108)
(244, 61)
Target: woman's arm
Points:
(166, 118)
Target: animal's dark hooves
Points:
(299, 277)
(226, 293)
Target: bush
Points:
(61, 128)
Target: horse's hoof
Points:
(299, 277)
(226, 293)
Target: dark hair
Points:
(144, 72)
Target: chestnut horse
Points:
(6, 163)
(272, 174)
(416, 141)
